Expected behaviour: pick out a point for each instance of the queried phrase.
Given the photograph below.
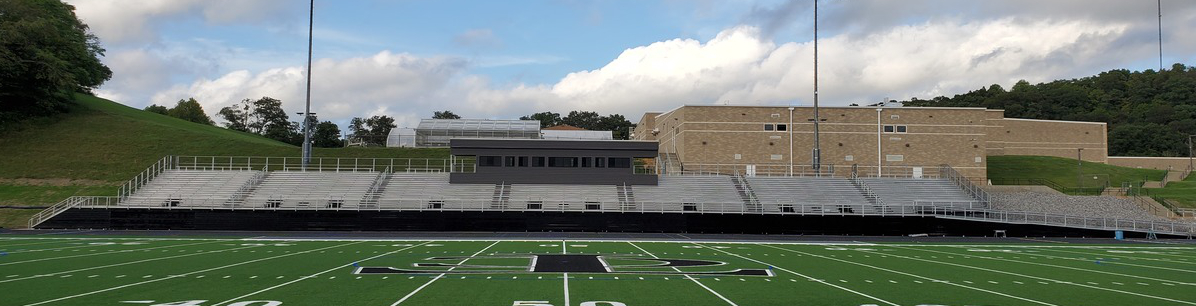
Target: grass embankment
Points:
(1182, 192)
(1016, 170)
(100, 144)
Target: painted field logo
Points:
(560, 263)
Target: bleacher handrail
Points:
(949, 173)
(941, 210)
(327, 164)
(131, 186)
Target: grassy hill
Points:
(1182, 192)
(100, 144)
(1018, 170)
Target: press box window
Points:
(585, 162)
(600, 162)
(490, 161)
(509, 161)
(620, 162)
(562, 162)
(523, 161)
(538, 161)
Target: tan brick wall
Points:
(1011, 136)
(643, 129)
(715, 134)
(1158, 163)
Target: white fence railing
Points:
(323, 164)
(954, 210)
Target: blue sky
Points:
(503, 59)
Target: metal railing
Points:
(952, 210)
(324, 164)
(1049, 183)
(134, 184)
(945, 171)
(828, 170)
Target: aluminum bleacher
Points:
(713, 193)
(312, 189)
(424, 190)
(575, 197)
(926, 191)
(777, 193)
(193, 188)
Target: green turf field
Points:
(246, 272)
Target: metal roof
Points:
(479, 125)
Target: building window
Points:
(585, 162)
(523, 161)
(600, 162)
(620, 162)
(537, 161)
(769, 127)
(889, 129)
(900, 129)
(782, 127)
(508, 161)
(562, 162)
(490, 161)
(894, 158)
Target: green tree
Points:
(619, 126)
(46, 55)
(327, 135)
(236, 117)
(582, 119)
(157, 109)
(190, 110)
(447, 114)
(372, 130)
(546, 119)
(263, 116)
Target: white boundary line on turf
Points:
(1067, 267)
(123, 263)
(186, 274)
(1135, 257)
(103, 253)
(803, 275)
(21, 244)
(438, 277)
(915, 276)
(317, 274)
(56, 249)
(1035, 277)
(720, 296)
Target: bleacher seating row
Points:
(416, 190)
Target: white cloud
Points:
(121, 21)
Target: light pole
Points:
(817, 148)
(1190, 168)
(1080, 167)
(307, 111)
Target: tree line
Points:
(1150, 113)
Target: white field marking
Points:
(1063, 267)
(13, 245)
(565, 250)
(820, 281)
(438, 277)
(1133, 257)
(302, 278)
(102, 253)
(450, 239)
(720, 296)
(1047, 279)
(914, 275)
(55, 249)
(186, 274)
(119, 264)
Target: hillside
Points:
(1019, 170)
(100, 144)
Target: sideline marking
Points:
(687, 276)
(1140, 258)
(103, 253)
(186, 274)
(438, 277)
(1041, 278)
(56, 249)
(824, 282)
(118, 264)
(302, 278)
(1071, 268)
(43, 242)
(913, 275)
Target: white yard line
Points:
(316, 274)
(13, 245)
(1035, 277)
(1134, 257)
(1062, 267)
(687, 276)
(103, 253)
(122, 264)
(915, 275)
(62, 248)
(185, 274)
(438, 277)
(804, 276)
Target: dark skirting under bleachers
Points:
(310, 220)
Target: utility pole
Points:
(1160, 3)
(307, 111)
(1190, 168)
(817, 149)
(1080, 167)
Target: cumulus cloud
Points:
(741, 65)
(123, 21)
